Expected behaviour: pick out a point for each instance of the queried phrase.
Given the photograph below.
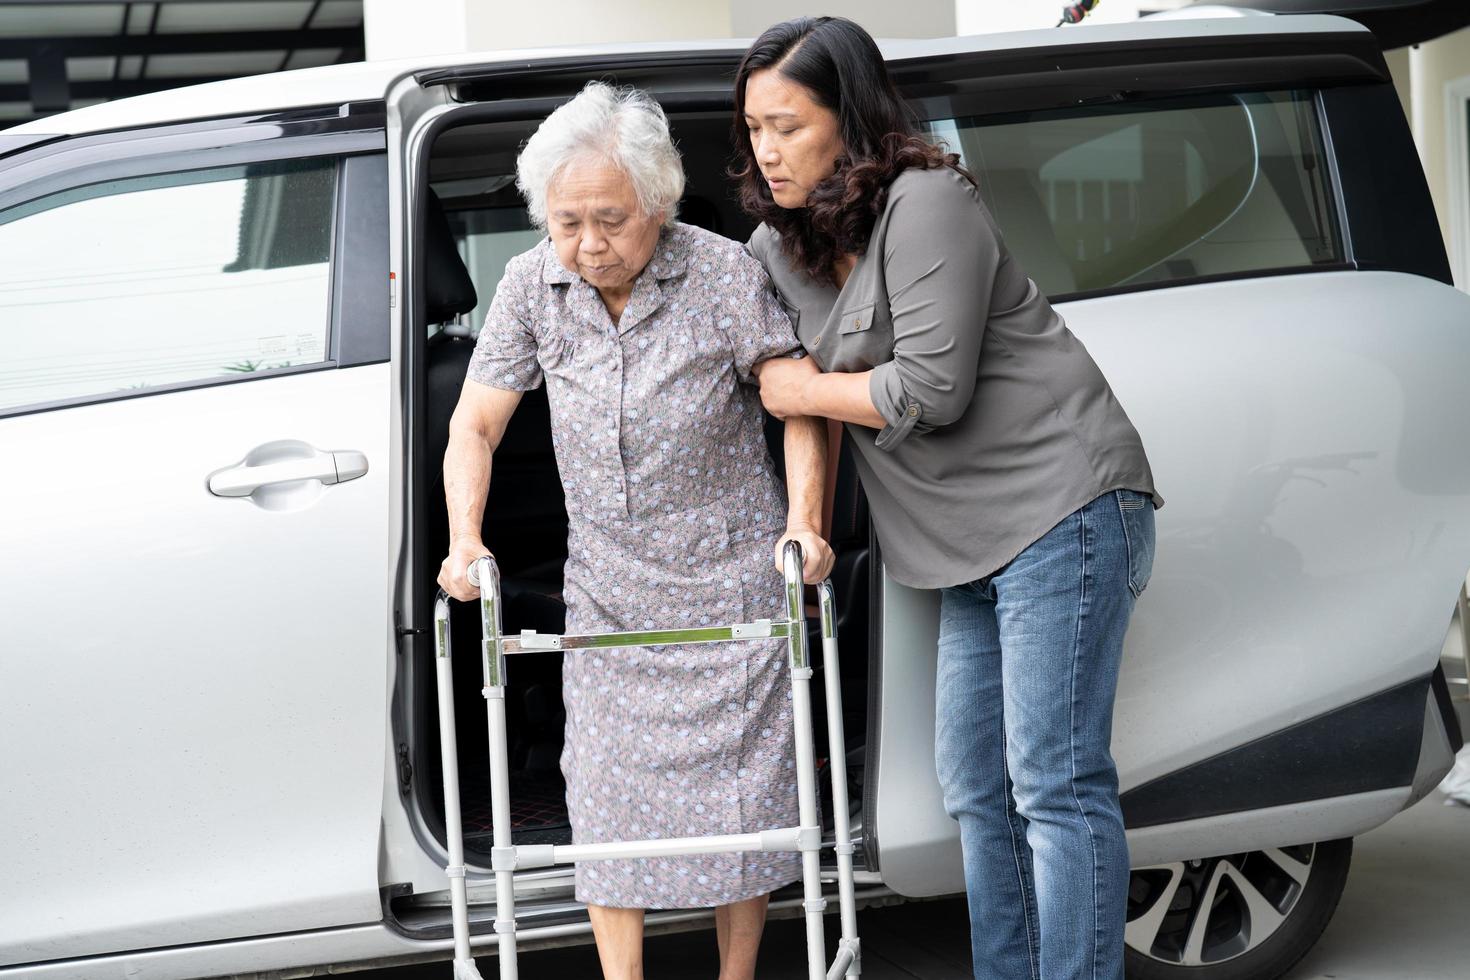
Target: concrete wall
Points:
(1433, 67)
(398, 29)
(1398, 65)
(994, 16)
(881, 18)
(528, 23)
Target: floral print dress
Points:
(674, 509)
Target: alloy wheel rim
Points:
(1212, 910)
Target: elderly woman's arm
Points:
(761, 337)
(475, 431)
(806, 486)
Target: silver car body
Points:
(201, 698)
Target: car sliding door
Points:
(194, 409)
(1240, 263)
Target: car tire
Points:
(1267, 908)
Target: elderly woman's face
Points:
(596, 225)
(795, 140)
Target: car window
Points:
(148, 281)
(487, 239)
(1106, 198)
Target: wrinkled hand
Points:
(816, 555)
(782, 380)
(454, 571)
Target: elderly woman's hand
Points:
(782, 381)
(816, 555)
(454, 571)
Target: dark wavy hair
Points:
(841, 68)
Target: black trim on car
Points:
(1370, 744)
(991, 82)
(15, 142)
(1441, 688)
(480, 83)
(539, 108)
(872, 857)
(361, 323)
(413, 606)
(1390, 218)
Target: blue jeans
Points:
(1028, 666)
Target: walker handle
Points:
(473, 572)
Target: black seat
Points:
(701, 212)
(448, 288)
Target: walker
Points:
(507, 858)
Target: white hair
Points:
(624, 126)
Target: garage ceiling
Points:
(62, 54)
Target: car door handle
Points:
(329, 468)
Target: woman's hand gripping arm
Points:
(806, 485)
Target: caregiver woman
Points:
(998, 466)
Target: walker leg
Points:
(503, 852)
(806, 776)
(464, 965)
(806, 838)
(837, 751)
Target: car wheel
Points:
(1247, 916)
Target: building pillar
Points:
(1439, 73)
(395, 29)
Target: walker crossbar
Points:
(546, 855)
(532, 642)
(507, 858)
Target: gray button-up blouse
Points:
(673, 509)
(999, 423)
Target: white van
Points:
(233, 323)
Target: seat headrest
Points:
(448, 289)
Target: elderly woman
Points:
(646, 332)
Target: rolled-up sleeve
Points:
(754, 318)
(505, 353)
(940, 259)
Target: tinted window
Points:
(488, 238)
(149, 281)
(1115, 197)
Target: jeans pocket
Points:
(1137, 514)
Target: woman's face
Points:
(795, 141)
(596, 225)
